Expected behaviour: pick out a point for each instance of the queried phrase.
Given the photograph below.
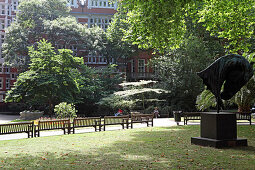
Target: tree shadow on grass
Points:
(147, 148)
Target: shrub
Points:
(64, 110)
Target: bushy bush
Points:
(64, 110)
(149, 110)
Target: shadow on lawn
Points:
(163, 148)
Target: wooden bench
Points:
(191, 116)
(243, 116)
(142, 118)
(20, 127)
(116, 120)
(196, 116)
(43, 125)
(86, 122)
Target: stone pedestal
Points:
(27, 115)
(218, 130)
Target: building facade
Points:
(90, 12)
(8, 75)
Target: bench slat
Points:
(20, 127)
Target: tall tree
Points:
(51, 78)
(38, 19)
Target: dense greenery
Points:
(189, 35)
(51, 78)
(139, 148)
(55, 77)
(177, 72)
(135, 96)
(163, 24)
(38, 19)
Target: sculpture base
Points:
(218, 130)
(218, 143)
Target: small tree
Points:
(64, 110)
(134, 95)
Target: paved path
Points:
(7, 118)
(160, 122)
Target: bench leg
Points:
(131, 125)
(37, 133)
(104, 127)
(122, 125)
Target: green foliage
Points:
(120, 47)
(163, 24)
(135, 97)
(218, 17)
(205, 100)
(39, 19)
(114, 102)
(64, 110)
(51, 78)
(156, 24)
(244, 98)
(177, 72)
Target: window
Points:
(13, 76)
(2, 38)
(7, 69)
(74, 49)
(2, 24)
(1, 98)
(7, 83)
(72, 2)
(1, 83)
(101, 4)
(14, 6)
(2, 9)
(132, 66)
(101, 22)
(8, 11)
(8, 22)
(141, 67)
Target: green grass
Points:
(145, 148)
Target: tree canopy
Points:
(51, 78)
(163, 24)
(38, 19)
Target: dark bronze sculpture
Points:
(232, 69)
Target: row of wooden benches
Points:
(196, 116)
(33, 130)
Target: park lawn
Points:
(143, 148)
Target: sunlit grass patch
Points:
(145, 148)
